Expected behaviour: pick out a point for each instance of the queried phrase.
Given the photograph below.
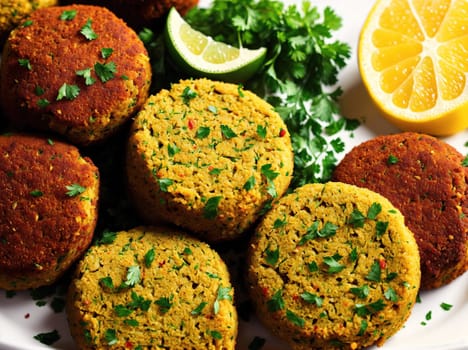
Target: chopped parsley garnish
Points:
(445, 306)
(69, 92)
(332, 262)
(105, 71)
(375, 272)
(392, 159)
(24, 62)
(106, 52)
(149, 257)
(111, 336)
(356, 219)
(271, 256)
(295, 319)
(188, 94)
(133, 276)
(198, 310)
(361, 292)
(465, 161)
(374, 210)
(122, 311)
(312, 298)
(27, 23)
(48, 338)
(38, 90)
(210, 211)
(42, 103)
(391, 295)
(164, 303)
(68, 15)
(36, 193)
(74, 190)
(88, 31)
(107, 237)
(364, 310)
(250, 183)
(202, 132)
(215, 334)
(227, 132)
(223, 293)
(381, 228)
(86, 74)
(261, 131)
(362, 327)
(276, 302)
(164, 184)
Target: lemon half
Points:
(413, 59)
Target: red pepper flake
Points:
(265, 291)
(27, 315)
(128, 344)
(282, 132)
(162, 263)
(382, 263)
(191, 124)
(295, 297)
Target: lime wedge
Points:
(201, 56)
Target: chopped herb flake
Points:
(149, 257)
(86, 74)
(106, 52)
(188, 94)
(88, 31)
(48, 338)
(24, 62)
(227, 132)
(276, 302)
(198, 310)
(74, 190)
(68, 15)
(164, 304)
(295, 319)
(210, 211)
(375, 272)
(105, 71)
(69, 92)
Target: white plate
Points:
(21, 319)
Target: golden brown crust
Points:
(42, 228)
(427, 182)
(55, 50)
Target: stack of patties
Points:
(426, 180)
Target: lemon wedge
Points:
(201, 56)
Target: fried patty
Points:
(75, 70)
(207, 156)
(13, 12)
(152, 287)
(333, 266)
(48, 210)
(424, 178)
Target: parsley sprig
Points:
(297, 77)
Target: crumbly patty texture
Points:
(75, 70)
(152, 287)
(425, 179)
(12, 13)
(333, 266)
(48, 209)
(207, 156)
